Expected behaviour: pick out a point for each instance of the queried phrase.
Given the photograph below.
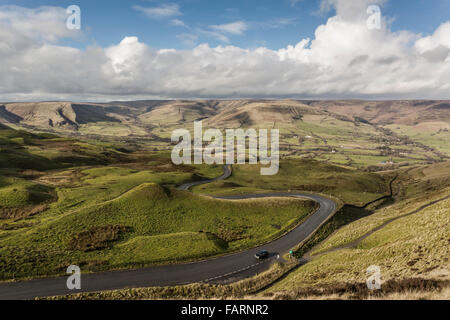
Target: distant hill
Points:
(260, 113)
(140, 104)
(70, 115)
(178, 112)
(390, 112)
(57, 114)
(315, 125)
(221, 112)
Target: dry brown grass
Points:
(443, 294)
(96, 238)
(412, 247)
(19, 213)
(392, 288)
(68, 178)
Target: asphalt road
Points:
(223, 269)
(226, 174)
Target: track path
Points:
(355, 243)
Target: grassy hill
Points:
(70, 195)
(67, 117)
(21, 149)
(401, 112)
(349, 185)
(408, 240)
(103, 206)
(146, 225)
(178, 111)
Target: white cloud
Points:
(284, 21)
(163, 11)
(238, 27)
(343, 60)
(124, 58)
(273, 23)
(441, 37)
(213, 34)
(178, 23)
(44, 24)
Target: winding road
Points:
(223, 269)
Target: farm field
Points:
(348, 133)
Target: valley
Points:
(94, 185)
(370, 135)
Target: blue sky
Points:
(190, 49)
(269, 23)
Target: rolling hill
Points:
(364, 134)
(223, 112)
(111, 205)
(407, 239)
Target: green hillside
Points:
(146, 225)
(349, 185)
(408, 240)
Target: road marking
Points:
(233, 272)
